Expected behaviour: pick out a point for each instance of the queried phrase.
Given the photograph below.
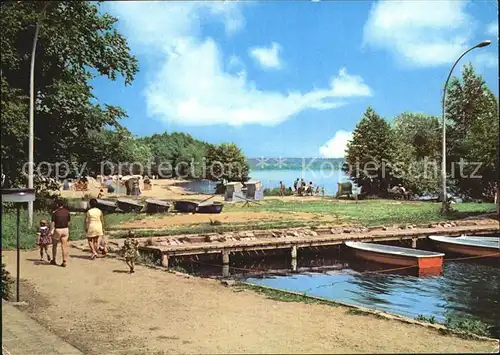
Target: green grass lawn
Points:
(369, 212)
(365, 213)
(28, 235)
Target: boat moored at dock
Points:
(469, 246)
(398, 256)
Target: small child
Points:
(44, 239)
(130, 251)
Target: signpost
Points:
(18, 196)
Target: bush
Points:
(276, 192)
(6, 283)
(468, 325)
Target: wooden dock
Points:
(294, 239)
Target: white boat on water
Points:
(481, 239)
(468, 245)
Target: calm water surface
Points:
(271, 179)
(467, 289)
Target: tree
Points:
(417, 147)
(370, 153)
(227, 162)
(420, 132)
(473, 126)
(177, 154)
(76, 44)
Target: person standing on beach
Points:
(296, 185)
(59, 229)
(282, 189)
(94, 225)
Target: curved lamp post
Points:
(444, 207)
(31, 138)
(18, 196)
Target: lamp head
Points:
(483, 44)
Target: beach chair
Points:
(344, 189)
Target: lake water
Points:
(467, 289)
(271, 179)
(462, 288)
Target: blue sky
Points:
(292, 78)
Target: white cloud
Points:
(486, 60)
(492, 29)
(335, 147)
(191, 83)
(267, 57)
(345, 85)
(419, 33)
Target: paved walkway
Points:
(22, 335)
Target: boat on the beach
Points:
(157, 206)
(212, 207)
(128, 205)
(390, 255)
(186, 206)
(106, 205)
(469, 246)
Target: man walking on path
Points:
(59, 229)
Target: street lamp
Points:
(18, 196)
(31, 138)
(444, 207)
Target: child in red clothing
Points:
(44, 239)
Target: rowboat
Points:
(213, 207)
(390, 255)
(106, 205)
(467, 246)
(186, 206)
(484, 239)
(157, 206)
(127, 205)
(362, 266)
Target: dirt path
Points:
(99, 309)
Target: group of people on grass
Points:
(57, 232)
(301, 188)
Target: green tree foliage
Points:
(473, 126)
(227, 162)
(370, 153)
(176, 154)
(76, 44)
(417, 142)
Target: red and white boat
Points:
(469, 246)
(390, 255)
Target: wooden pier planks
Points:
(313, 241)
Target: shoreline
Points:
(175, 313)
